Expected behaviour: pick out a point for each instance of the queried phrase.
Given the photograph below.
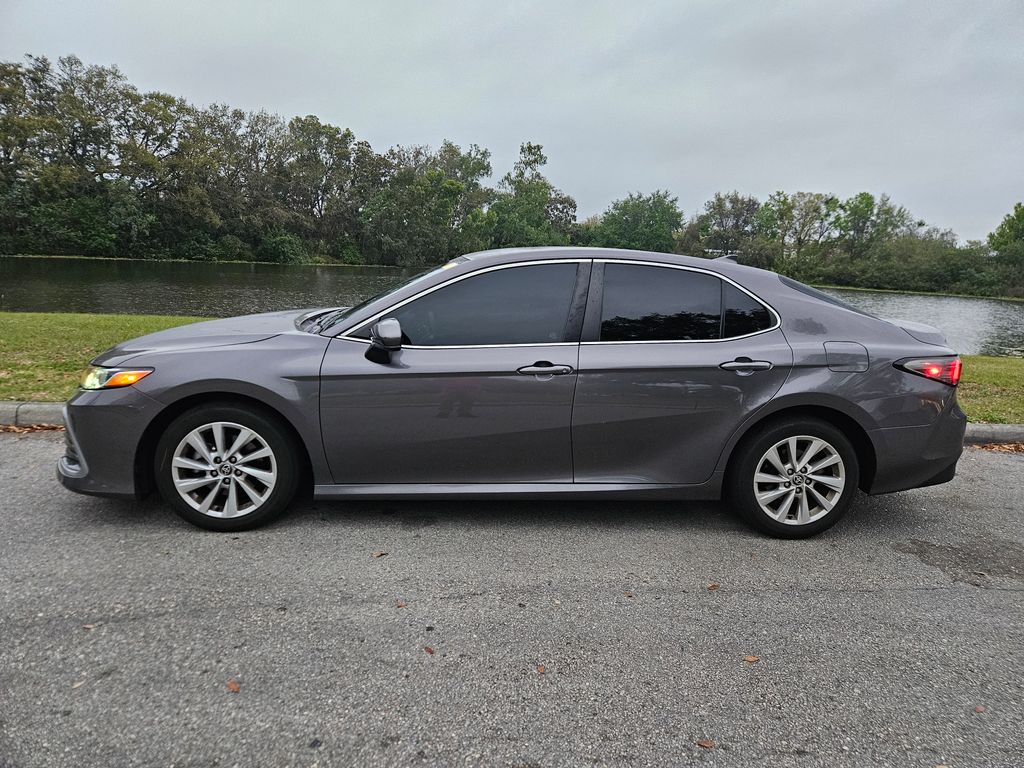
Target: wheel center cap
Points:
(225, 469)
(798, 479)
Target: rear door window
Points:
(651, 303)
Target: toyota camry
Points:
(529, 373)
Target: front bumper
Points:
(918, 456)
(104, 429)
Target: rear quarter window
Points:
(743, 313)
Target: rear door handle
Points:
(544, 368)
(746, 364)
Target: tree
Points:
(528, 210)
(1010, 232)
(786, 225)
(642, 222)
(410, 222)
(90, 165)
(861, 222)
(728, 222)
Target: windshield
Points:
(321, 323)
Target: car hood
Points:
(212, 333)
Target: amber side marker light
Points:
(944, 369)
(98, 377)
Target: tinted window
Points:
(743, 314)
(659, 304)
(518, 305)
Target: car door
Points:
(481, 391)
(672, 360)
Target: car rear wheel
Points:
(794, 479)
(224, 467)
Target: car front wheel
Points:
(224, 467)
(794, 479)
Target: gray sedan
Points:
(546, 372)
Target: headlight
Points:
(98, 377)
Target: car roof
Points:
(724, 266)
(505, 255)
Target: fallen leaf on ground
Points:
(712, 587)
(980, 710)
(428, 649)
(378, 554)
(541, 669)
(79, 684)
(400, 604)
(1003, 447)
(234, 686)
(705, 743)
(28, 428)
(751, 659)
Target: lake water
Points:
(973, 326)
(181, 288)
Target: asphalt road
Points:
(121, 627)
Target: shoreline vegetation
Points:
(158, 260)
(42, 355)
(91, 165)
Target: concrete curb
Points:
(19, 414)
(980, 434)
(22, 414)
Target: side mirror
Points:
(385, 338)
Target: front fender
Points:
(282, 373)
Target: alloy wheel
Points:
(799, 480)
(223, 469)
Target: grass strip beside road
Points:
(992, 389)
(42, 355)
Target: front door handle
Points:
(745, 364)
(544, 368)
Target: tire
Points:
(814, 500)
(251, 487)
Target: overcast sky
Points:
(923, 100)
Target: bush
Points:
(231, 248)
(282, 248)
(348, 254)
(199, 248)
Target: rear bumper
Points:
(915, 457)
(103, 431)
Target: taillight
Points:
(944, 369)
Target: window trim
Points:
(597, 302)
(532, 262)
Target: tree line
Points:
(89, 165)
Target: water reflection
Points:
(174, 288)
(973, 326)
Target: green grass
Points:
(992, 389)
(42, 354)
